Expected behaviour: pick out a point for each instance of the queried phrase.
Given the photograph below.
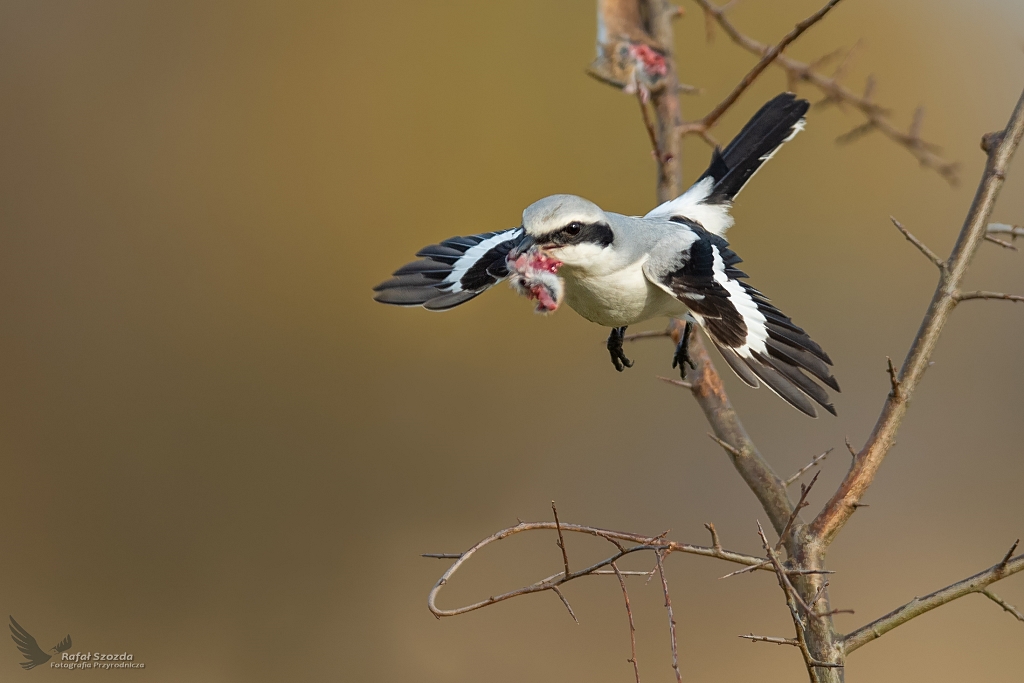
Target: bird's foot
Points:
(619, 359)
(682, 357)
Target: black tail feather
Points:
(782, 386)
(766, 131)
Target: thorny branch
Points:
(704, 125)
(791, 602)
(561, 540)
(918, 606)
(640, 543)
(877, 117)
(967, 296)
(770, 639)
(803, 470)
(865, 465)
(632, 627)
(660, 555)
(800, 505)
(1002, 603)
(929, 254)
(635, 36)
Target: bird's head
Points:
(560, 230)
(567, 228)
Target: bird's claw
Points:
(682, 356)
(619, 359)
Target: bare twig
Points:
(1006, 558)
(727, 446)
(715, 542)
(800, 472)
(677, 382)
(894, 380)
(647, 334)
(877, 116)
(746, 570)
(561, 540)
(655, 150)
(789, 572)
(671, 617)
(817, 596)
(800, 505)
(767, 58)
(443, 556)
(866, 463)
(632, 627)
(967, 296)
(770, 639)
(1002, 603)
(566, 603)
(919, 244)
(918, 606)
(598, 572)
(1003, 243)
(617, 538)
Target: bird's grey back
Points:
(659, 237)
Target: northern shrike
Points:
(618, 270)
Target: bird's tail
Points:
(773, 125)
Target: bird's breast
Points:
(621, 297)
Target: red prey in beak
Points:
(533, 273)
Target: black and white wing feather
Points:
(758, 341)
(450, 273)
(709, 199)
(28, 646)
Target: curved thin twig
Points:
(656, 543)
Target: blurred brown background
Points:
(220, 455)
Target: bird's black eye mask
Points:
(578, 232)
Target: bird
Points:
(617, 270)
(30, 648)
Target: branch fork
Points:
(802, 577)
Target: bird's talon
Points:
(619, 359)
(682, 356)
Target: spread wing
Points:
(757, 340)
(63, 645)
(709, 199)
(28, 646)
(450, 273)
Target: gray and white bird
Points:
(618, 270)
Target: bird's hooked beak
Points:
(533, 273)
(525, 244)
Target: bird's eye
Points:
(573, 228)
